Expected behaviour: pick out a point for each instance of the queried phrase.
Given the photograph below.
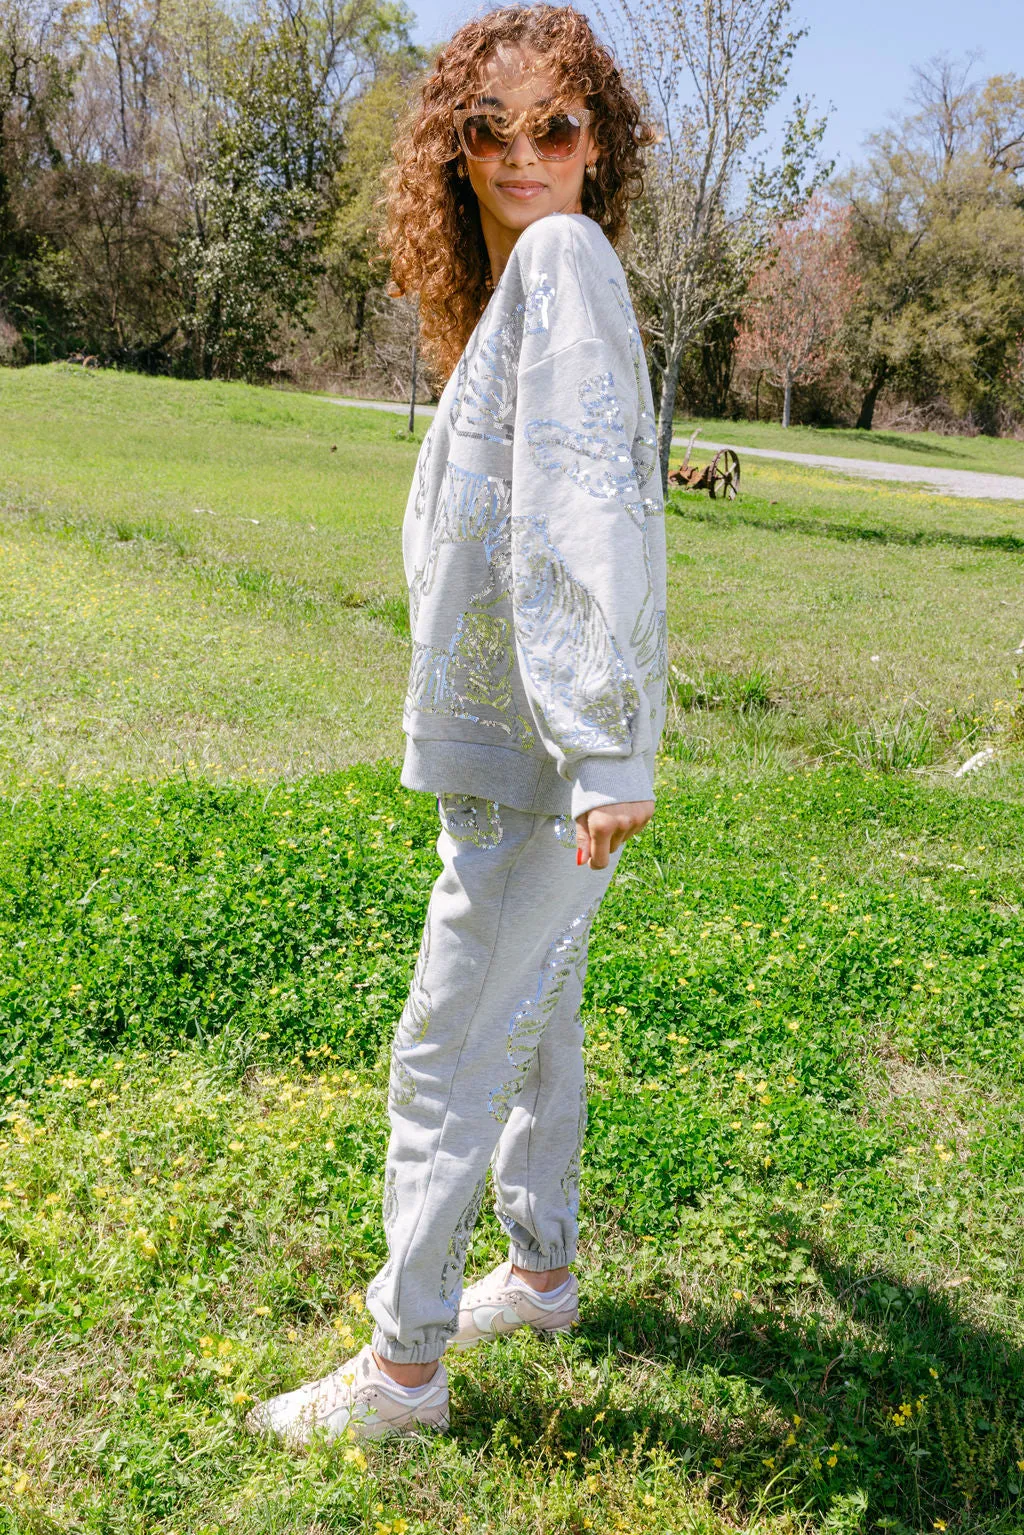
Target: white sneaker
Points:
(502, 1301)
(358, 1395)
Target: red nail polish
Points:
(579, 856)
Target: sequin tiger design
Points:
(568, 953)
(567, 648)
(470, 678)
(455, 1260)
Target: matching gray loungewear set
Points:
(534, 549)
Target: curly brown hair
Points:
(432, 230)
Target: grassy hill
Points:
(801, 1218)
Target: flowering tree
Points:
(798, 300)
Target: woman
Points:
(534, 551)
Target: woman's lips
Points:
(521, 189)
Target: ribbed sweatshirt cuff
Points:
(610, 781)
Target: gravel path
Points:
(948, 482)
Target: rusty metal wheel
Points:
(724, 475)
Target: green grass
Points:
(805, 1069)
(801, 1255)
(990, 455)
(141, 635)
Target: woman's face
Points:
(521, 187)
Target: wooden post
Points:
(415, 356)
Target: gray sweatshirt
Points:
(534, 545)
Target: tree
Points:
(707, 72)
(36, 75)
(263, 208)
(357, 269)
(799, 299)
(168, 169)
(937, 218)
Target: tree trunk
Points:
(666, 409)
(867, 405)
(360, 323)
(412, 387)
(787, 399)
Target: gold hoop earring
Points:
(592, 169)
(460, 170)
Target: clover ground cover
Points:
(801, 1253)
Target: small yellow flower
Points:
(356, 1301)
(939, 1524)
(261, 1311)
(933, 1373)
(831, 1460)
(718, 1462)
(240, 1397)
(235, 1146)
(649, 1501)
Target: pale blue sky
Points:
(858, 54)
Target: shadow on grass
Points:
(867, 1393)
(904, 443)
(1011, 543)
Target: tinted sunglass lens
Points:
(481, 140)
(558, 138)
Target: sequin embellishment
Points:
(595, 456)
(455, 1261)
(486, 378)
(412, 1026)
(389, 1211)
(471, 507)
(571, 1176)
(565, 830)
(470, 678)
(568, 650)
(467, 818)
(568, 954)
(538, 302)
(422, 472)
(645, 440)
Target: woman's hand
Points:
(599, 832)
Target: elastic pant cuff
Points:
(537, 1262)
(426, 1352)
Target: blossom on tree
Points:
(798, 300)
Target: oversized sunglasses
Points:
(487, 135)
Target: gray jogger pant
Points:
(486, 1067)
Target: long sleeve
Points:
(587, 617)
(534, 545)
